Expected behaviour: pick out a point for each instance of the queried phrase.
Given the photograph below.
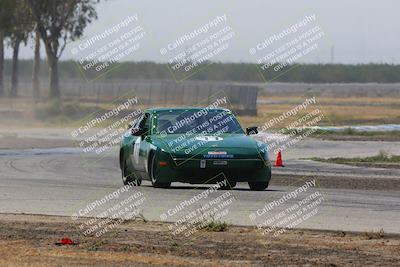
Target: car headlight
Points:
(266, 158)
(262, 147)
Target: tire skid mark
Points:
(45, 165)
(11, 164)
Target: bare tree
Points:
(36, 67)
(1, 62)
(14, 69)
(6, 11)
(57, 22)
(19, 30)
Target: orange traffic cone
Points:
(279, 162)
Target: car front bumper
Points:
(214, 170)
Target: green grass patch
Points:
(351, 132)
(374, 235)
(215, 226)
(345, 132)
(381, 157)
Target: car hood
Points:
(226, 145)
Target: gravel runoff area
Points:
(30, 240)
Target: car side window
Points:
(145, 123)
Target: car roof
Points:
(156, 110)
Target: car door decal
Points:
(136, 149)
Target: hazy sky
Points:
(360, 31)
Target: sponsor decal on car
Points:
(209, 138)
(217, 154)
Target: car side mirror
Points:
(138, 131)
(251, 130)
(135, 131)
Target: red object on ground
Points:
(279, 162)
(66, 241)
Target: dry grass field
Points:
(337, 111)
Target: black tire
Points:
(129, 178)
(153, 179)
(229, 185)
(258, 186)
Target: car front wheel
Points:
(153, 174)
(258, 186)
(129, 178)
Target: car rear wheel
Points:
(258, 186)
(153, 174)
(129, 178)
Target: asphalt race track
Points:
(61, 182)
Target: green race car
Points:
(192, 145)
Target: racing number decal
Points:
(136, 149)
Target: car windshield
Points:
(197, 122)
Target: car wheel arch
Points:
(149, 160)
(121, 157)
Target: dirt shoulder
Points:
(29, 240)
(339, 182)
(386, 165)
(382, 160)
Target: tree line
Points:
(49, 22)
(52, 23)
(240, 72)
